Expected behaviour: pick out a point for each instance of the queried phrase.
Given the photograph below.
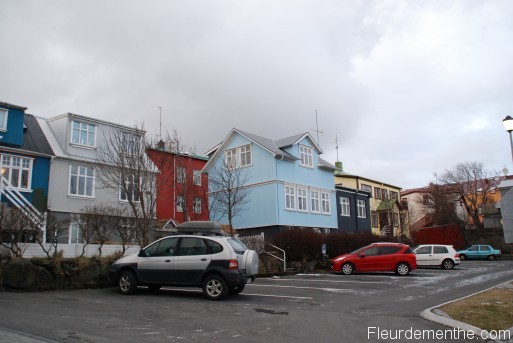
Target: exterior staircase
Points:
(19, 201)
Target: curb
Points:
(428, 314)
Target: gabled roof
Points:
(33, 137)
(275, 147)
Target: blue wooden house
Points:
(25, 157)
(288, 184)
(353, 209)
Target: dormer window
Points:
(306, 154)
(3, 119)
(239, 157)
(83, 134)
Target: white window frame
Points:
(315, 201)
(244, 155)
(325, 203)
(345, 208)
(290, 198)
(23, 165)
(84, 176)
(365, 187)
(302, 199)
(3, 121)
(179, 203)
(134, 194)
(130, 143)
(86, 130)
(361, 208)
(196, 207)
(181, 174)
(196, 177)
(231, 158)
(306, 154)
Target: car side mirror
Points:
(362, 255)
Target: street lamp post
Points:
(508, 125)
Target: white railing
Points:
(258, 243)
(25, 206)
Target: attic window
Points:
(3, 119)
(306, 154)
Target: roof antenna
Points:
(160, 122)
(317, 129)
(336, 145)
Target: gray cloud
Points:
(409, 87)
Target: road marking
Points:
(301, 287)
(275, 296)
(323, 280)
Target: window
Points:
(231, 161)
(377, 192)
(302, 200)
(245, 155)
(130, 143)
(196, 177)
(389, 250)
(167, 247)
(440, 250)
(190, 246)
(3, 119)
(197, 205)
(83, 133)
(423, 250)
(394, 195)
(179, 203)
(366, 188)
(290, 198)
(373, 251)
(374, 219)
(81, 181)
(314, 201)
(180, 175)
(306, 154)
(345, 210)
(17, 170)
(325, 203)
(360, 205)
(384, 194)
(214, 247)
(129, 189)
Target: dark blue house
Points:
(25, 157)
(353, 209)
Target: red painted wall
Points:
(168, 187)
(449, 234)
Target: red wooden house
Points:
(181, 188)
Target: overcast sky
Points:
(409, 88)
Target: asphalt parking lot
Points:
(322, 307)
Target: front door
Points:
(155, 264)
(191, 260)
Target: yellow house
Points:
(387, 215)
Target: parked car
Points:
(377, 257)
(196, 255)
(444, 256)
(479, 251)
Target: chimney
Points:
(339, 167)
(161, 145)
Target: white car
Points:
(444, 256)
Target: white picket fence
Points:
(75, 250)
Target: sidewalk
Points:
(435, 314)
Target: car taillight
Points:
(457, 256)
(234, 264)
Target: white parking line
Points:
(321, 280)
(275, 296)
(300, 287)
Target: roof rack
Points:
(202, 228)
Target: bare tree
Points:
(16, 230)
(122, 226)
(126, 168)
(228, 192)
(472, 183)
(55, 229)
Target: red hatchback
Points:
(384, 257)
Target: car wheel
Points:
(154, 288)
(463, 257)
(447, 264)
(491, 257)
(215, 288)
(347, 268)
(127, 283)
(402, 269)
(236, 290)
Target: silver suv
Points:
(198, 254)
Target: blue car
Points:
(479, 251)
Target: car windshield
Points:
(237, 245)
